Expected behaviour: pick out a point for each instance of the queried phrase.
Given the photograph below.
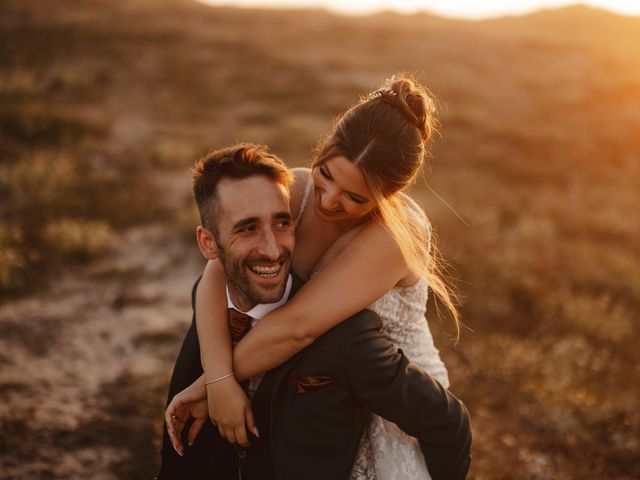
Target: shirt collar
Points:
(262, 309)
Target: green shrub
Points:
(62, 206)
(41, 186)
(12, 260)
(76, 239)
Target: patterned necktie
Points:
(239, 324)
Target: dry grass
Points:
(539, 153)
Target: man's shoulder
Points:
(358, 324)
(365, 319)
(333, 349)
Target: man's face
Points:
(255, 239)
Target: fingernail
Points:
(256, 432)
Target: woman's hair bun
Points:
(414, 100)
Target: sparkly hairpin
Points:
(382, 92)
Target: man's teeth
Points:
(266, 272)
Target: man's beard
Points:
(241, 285)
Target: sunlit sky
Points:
(450, 8)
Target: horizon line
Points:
(413, 12)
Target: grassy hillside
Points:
(104, 104)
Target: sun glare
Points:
(454, 8)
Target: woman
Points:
(356, 232)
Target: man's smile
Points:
(267, 271)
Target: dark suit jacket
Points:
(210, 457)
(346, 374)
(312, 410)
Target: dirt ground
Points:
(86, 365)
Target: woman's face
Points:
(340, 191)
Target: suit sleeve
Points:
(401, 392)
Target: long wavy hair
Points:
(387, 135)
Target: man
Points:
(312, 410)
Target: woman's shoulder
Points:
(301, 177)
(301, 173)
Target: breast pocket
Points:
(302, 383)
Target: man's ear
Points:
(207, 243)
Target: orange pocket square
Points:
(309, 383)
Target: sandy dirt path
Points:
(84, 366)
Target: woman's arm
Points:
(229, 407)
(369, 266)
(212, 322)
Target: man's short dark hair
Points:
(237, 162)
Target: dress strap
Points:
(303, 204)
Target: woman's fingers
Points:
(227, 407)
(195, 428)
(241, 435)
(169, 413)
(250, 421)
(175, 424)
(222, 431)
(174, 436)
(228, 433)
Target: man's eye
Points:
(285, 224)
(249, 229)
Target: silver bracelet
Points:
(219, 378)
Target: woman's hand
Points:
(191, 402)
(230, 410)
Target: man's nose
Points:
(269, 245)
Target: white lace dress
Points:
(386, 452)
